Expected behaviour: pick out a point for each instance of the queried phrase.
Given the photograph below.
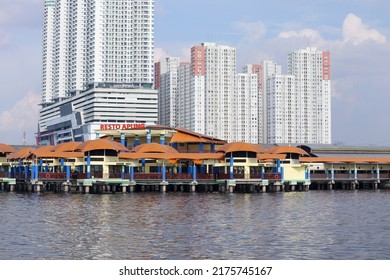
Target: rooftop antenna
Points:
(24, 138)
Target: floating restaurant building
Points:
(150, 158)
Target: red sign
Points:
(125, 126)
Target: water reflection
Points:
(299, 225)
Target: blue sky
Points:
(356, 32)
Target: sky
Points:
(356, 32)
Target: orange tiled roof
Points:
(101, 144)
(66, 147)
(270, 157)
(153, 148)
(287, 150)
(4, 148)
(190, 156)
(186, 136)
(240, 147)
(20, 154)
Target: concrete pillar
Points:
(88, 166)
(330, 186)
(136, 141)
(37, 188)
(11, 187)
(375, 185)
(353, 186)
(131, 188)
(264, 189)
(292, 188)
(132, 173)
(231, 167)
(67, 173)
(193, 187)
(194, 173)
(124, 189)
(163, 188)
(231, 188)
(163, 173)
(86, 189)
(162, 138)
(148, 136)
(123, 140)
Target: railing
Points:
(51, 175)
(272, 176)
(346, 176)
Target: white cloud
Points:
(23, 116)
(356, 32)
(310, 34)
(253, 31)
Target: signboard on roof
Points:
(124, 126)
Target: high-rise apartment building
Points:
(167, 102)
(283, 110)
(311, 69)
(102, 45)
(211, 98)
(299, 104)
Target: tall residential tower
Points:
(102, 54)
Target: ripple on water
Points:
(299, 225)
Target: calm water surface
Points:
(300, 225)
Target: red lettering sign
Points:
(126, 126)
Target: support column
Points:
(231, 167)
(123, 140)
(378, 175)
(88, 165)
(162, 138)
(62, 161)
(163, 173)
(148, 136)
(122, 172)
(332, 173)
(194, 173)
(132, 173)
(136, 140)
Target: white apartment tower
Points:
(270, 69)
(167, 102)
(311, 69)
(220, 78)
(90, 47)
(87, 41)
(245, 110)
(283, 110)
